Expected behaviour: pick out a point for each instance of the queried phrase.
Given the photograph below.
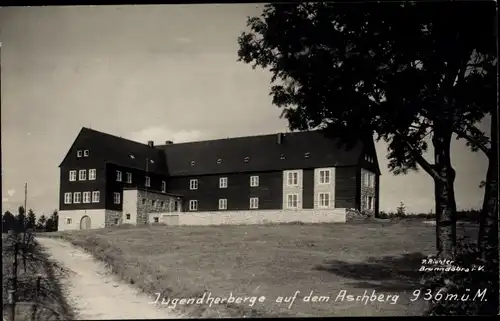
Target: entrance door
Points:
(85, 223)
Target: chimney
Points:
(279, 140)
(168, 142)
(151, 143)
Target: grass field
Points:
(52, 303)
(272, 261)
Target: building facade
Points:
(107, 180)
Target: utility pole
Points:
(146, 185)
(25, 198)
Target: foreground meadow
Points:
(273, 261)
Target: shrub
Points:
(466, 292)
(383, 215)
(401, 210)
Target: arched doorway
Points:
(85, 223)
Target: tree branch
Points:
(472, 140)
(428, 167)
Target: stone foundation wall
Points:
(337, 215)
(153, 202)
(355, 215)
(112, 218)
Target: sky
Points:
(158, 72)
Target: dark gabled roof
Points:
(118, 150)
(263, 152)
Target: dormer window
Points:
(306, 155)
(131, 156)
(219, 161)
(282, 156)
(247, 159)
(79, 153)
(192, 163)
(86, 153)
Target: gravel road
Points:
(94, 292)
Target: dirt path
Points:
(94, 292)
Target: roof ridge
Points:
(239, 137)
(115, 136)
(204, 140)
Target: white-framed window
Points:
(79, 153)
(369, 202)
(86, 153)
(77, 197)
(129, 178)
(72, 176)
(193, 205)
(116, 198)
(68, 197)
(163, 186)
(148, 181)
(223, 182)
(254, 181)
(323, 200)
(118, 176)
(82, 174)
(127, 216)
(324, 176)
(369, 179)
(68, 220)
(292, 200)
(86, 197)
(92, 174)
(254, 202)
(96, 197)
(193, 184)
(292, 178)
(223, 204)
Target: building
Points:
(108, 180)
